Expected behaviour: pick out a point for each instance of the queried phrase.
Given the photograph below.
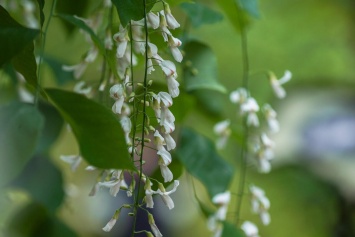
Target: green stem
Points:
(44, 37)
(244, 151)
(136, 204)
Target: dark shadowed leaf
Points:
(42, 181)
(132, 9)
(202, 70)
(33, 220)
(198, 155)
(97, 130)
(20, 125)
(67, 7)
(53, 124)
(16, 44)
(41, 14)
(200, 14)
(229, 230)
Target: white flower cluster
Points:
(214, 224)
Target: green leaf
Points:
(97, 130)
(202, 70)
(67, 7)
(43, 181)
(33, 220)
(198, 155)
(229, 230)
(41, 14)
(209, 102)
(53, 124)
(132, 9)
(20, 125)
(200, 14)
(250, 6)
(82, 25)
(16, 44)
(239, 18)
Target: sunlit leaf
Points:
(200, 14)
(43, 181)
(20, 125)
(16, 44)
(199, 156)
(132, 9)
(201, 70)
(97, 130)
(82, 25)
(229, 230)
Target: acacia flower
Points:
(270, 116)
(260, 204)
(163, 26)
(276, 84)
(250, 229)
(121, 38)
(165, 171)
(153, 20)
(165, 194)
(148, 194)
(114, 184)
(251, 107)
(112, 222)
(170, 142)
(170, 19)
(73, 160)
(81, 88)
(222, 201)
(153, 226)
(169, 70)
(174, 43)
(117, 93)
(167, 120)
(223, 131)
(264, 153)
(77, 69)
(239, 96)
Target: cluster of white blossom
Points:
(248, 109)
(129, 42)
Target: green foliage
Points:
(201, 69)
(230, 230)
(200, 14)
(55, 65)
(16, 44)
(33, 220)
(237, 16)
(43, 182)
(199, 156)
(250, 6)
(41, 14)
(132, 9)
(82, 25)
(67, 7)
(20, 125)
(97, 130)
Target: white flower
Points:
(222, 200)
(270, 116)
(250, 229)
(77, 69)
(165, 171)
(94, 190)
(170, 20)
(173, 86)
(168, 68)
(170, 143)
(251, 107)
(117, 93)
(260, 204)
(223, 131)
(163, 26)
(159, 140)
(81, 89)
(109, 225)
(164, 155)
(121, 38)
(108, 40)
(153, 226)
(73, 160)
(167, 120)
(238, 96)
(114, 184)
(277, 84)
(149, 194)
(165, 194)
(174, 43)
(153, 20)
(165, 99)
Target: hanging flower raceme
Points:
(223, 131)
(276, 84)
(264, 153)
(270, 116)
(251, 107)
(214, 222)
(260, 204)
(169, 70)
(239, 96)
